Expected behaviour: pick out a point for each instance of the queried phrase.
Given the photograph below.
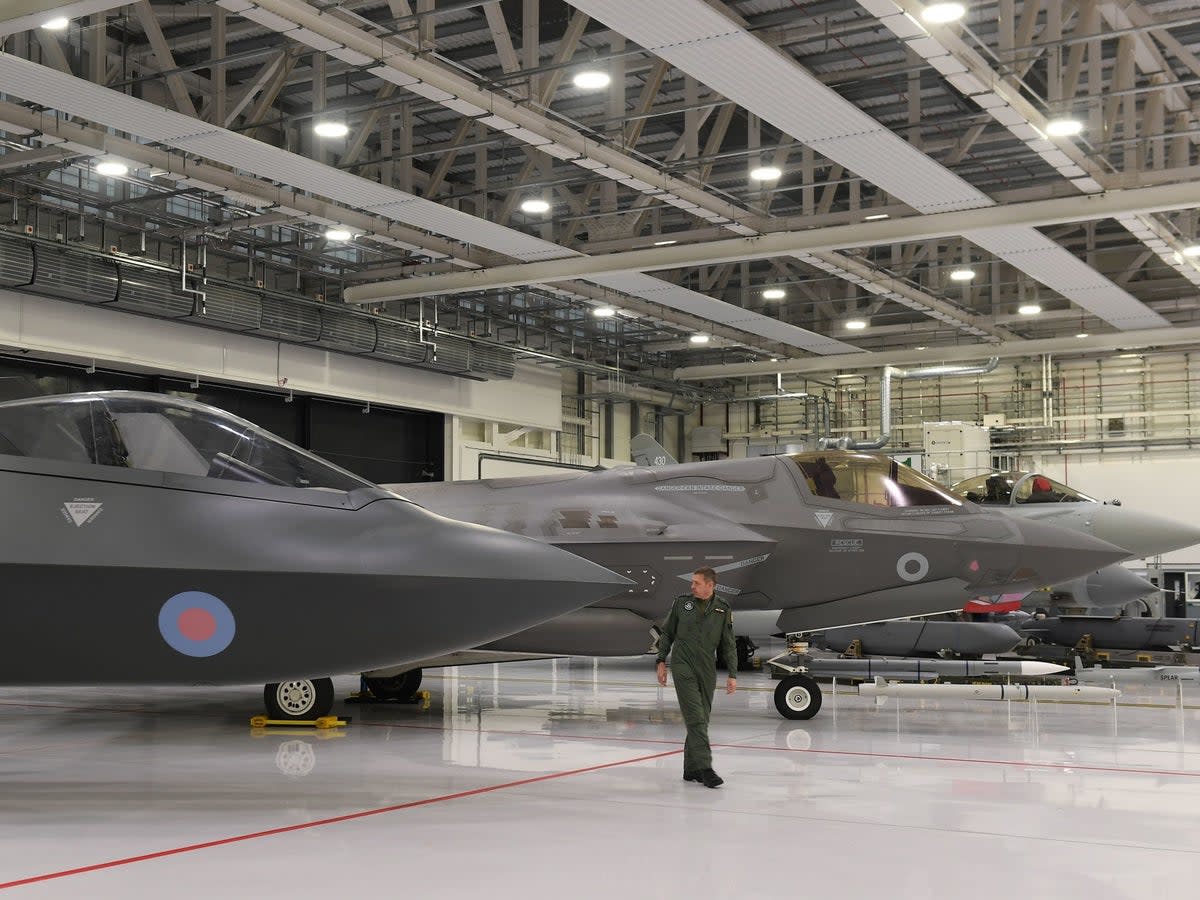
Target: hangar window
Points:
(868, 479)
(162, 434)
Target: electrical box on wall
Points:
(956, 450)
(995, 420)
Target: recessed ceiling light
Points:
(1191, 250)
(940, 13)
(962, 274)
(664, 243)
(875, 217)
(111, 167)
(604, 312)
(591, 79)
(774, 359)
(1128, 356)
(856, 324)
(58, 23)
(1082, 334)
(774, 294)
(1029, 309)
(330, 129)
(699, 339)
(338, 234)
(922, 347)
(1064, 127)
(765, 173)
(535, 206)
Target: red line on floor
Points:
(333, 820)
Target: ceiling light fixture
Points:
(1082, 334)
(922, 347)
(591, 80)
(111, 167)
(1029, 309)
(604, 312)
(1191, 250)
(941, 13)
(774, 294)
(875, 217)
(765, 173)
(664, 243)
(329, 128)
(535, 206)
(962, 274)
(339, 234)
(58, 23)
(856, 324)
(1063, 127)
(699, 339)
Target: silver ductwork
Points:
(127, 285)
(885, 400)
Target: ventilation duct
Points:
(96, 103)
(68, 273)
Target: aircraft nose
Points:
(1141, 533)
(525, 581)
(1043, 555)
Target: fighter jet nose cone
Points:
(1143, 534)
(544, 573)
(1051, 554)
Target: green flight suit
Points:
(695, 630)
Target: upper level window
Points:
(868, 479)
(161, 434)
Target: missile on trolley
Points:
(1121, 633)
(929, 669)
(903, 638)
(1135, 674)
(882, 688)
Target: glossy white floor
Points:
(563, 779)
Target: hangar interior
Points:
(468, 239)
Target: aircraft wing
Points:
(947, 595)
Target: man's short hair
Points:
(707, 573)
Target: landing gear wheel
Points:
(798, 697)
(400, 687)
(301, 698)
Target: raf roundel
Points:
(196, 624)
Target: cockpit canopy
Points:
(158, 433)
(868, 479)
(1008, 488)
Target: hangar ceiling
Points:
(457, 114)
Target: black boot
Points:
(692, 776)
(711, 779)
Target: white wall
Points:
(72, 331)
(1162, 482)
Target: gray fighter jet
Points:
(830, 538)
(152, 540)
(1033, 496)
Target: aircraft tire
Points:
(798, 697)
(299, 699)
(400, 687)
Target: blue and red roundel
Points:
(196, 624)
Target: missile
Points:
(881, 688)
(928, 669)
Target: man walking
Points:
(698, 624)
